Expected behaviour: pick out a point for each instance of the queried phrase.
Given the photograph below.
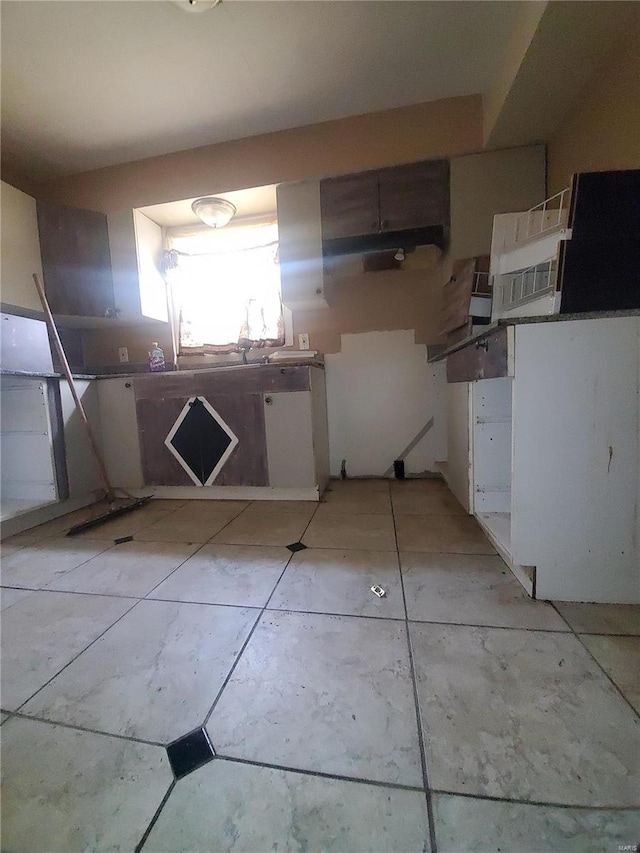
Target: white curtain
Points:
(226, 287)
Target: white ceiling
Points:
(94, 83)
(252, 202)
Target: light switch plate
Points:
(123, 354)
(303, 340)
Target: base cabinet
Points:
(259, 428)
(554, 459)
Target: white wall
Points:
(380, 394)
(20, 248)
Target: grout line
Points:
(596, 661)
(225, 682)
(154, 819)
(204, 603)
(334, 776)
(147, 597)
(338, 777)
(78, 728)
(423, 752)
(518, 801)
(250, 635)
(75, 657)
(492, 627)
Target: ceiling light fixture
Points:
(214, 212)
(196, 5)
(399, 255)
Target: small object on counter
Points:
(377, 590)
(156, 358)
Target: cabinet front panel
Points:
(242, 413)
(483, 359)
(349, 206)
(76, 261)
(414, 196)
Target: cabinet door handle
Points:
(268, 401)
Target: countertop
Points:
(281, 362)
(519, 321)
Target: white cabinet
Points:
(28, 466)
(119, 432)
(554, 466)
(300, 241)
(297, 436)
(136, 247)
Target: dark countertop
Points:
(519, 321)
(280, 362)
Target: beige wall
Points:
(481, 185)
(375, 301)
(489, 183)
(513, 52)
(603, 131)
(20, 249)
(436, 129)
(100, 346)
(380, 301)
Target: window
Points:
(225, 286)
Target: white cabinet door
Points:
(300, 239)
(139, 289)
(28, 471)
(288, 426)
(153, 290)
(119, 432)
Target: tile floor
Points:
(453, 714)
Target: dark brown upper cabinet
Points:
(385, 202)
(76, 261)
(349, 206)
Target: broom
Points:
(109, 493)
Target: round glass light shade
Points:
(215, 212)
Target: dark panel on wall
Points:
(76, 260)
(600, 275)
(605, 204)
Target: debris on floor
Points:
(377, 590)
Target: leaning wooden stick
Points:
(104, 477)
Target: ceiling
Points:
(248, 203)
(92, 84)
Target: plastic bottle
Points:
(156, 358)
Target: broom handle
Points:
(104, 477)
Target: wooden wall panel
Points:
(483, 359)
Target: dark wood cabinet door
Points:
(349, 206)
(414, 196)
(76, 260)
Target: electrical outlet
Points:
(303, 340)
(123, 354)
